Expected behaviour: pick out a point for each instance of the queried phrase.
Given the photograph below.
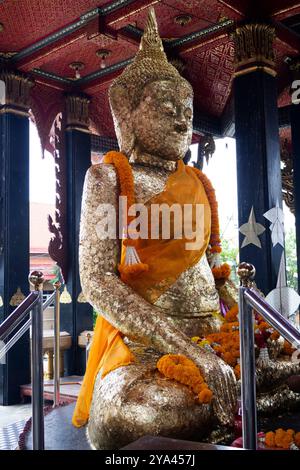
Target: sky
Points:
(221, 170)
(42, 171)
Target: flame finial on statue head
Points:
(151, 39)
(150, 64)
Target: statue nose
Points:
(180, 125)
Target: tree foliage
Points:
(291, 259)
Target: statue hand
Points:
(221, 380)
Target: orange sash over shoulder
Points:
(164, 260)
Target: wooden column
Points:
(76, 313)
(257, 143)
(14, 225)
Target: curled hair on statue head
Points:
(149, 65)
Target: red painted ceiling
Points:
(208, 60)
(27, 21)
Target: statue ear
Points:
(122, 115)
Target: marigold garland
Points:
(125, 177)
(282, 439)
(215, 241)
(222, 272)
(226, 343)
(183, 370)
(288, 348)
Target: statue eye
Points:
(169, 108)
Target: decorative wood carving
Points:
(206, 149)
(254, 46)
(77, 110)
(17, 91)
(58, 228)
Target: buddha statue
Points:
(151, 296)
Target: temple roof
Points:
(43, 38)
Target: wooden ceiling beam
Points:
(287, 36)
(198, 38)
(285, 13)
(234, 6)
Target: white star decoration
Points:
(252, 230)
(276, 216)
(284, 299)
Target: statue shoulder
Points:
(102, 172)
(101, 184)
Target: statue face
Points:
(162, 122)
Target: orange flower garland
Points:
(124, 172)
(223, 271)
(282, 439)
(215, 241)
(226, 343)
(288, 348)
(126, 182)
(183, 370)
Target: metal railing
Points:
(249, 299)
(34, 304)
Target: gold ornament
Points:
(149, 65)
(77, 111)
(17, 92)
(254, 48)
(17, 298)
(81, 298)
(65, 297)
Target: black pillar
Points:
(14, 226)
(76, 313)
(295, 126)
(257, 143)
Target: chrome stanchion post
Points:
(246, 273)
(36, 279)
(57, 286)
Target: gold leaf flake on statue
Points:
(17, 298)
(81, 298)
(65, 297)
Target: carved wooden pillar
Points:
(257, 142)
(76, 315)
(295, 127)
(14, 224)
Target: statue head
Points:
(151, 103)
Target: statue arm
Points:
(117, 302)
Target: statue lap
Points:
(136, 400)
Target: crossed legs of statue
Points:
(135, 400)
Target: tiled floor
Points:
(9, 435)
(12, 414)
